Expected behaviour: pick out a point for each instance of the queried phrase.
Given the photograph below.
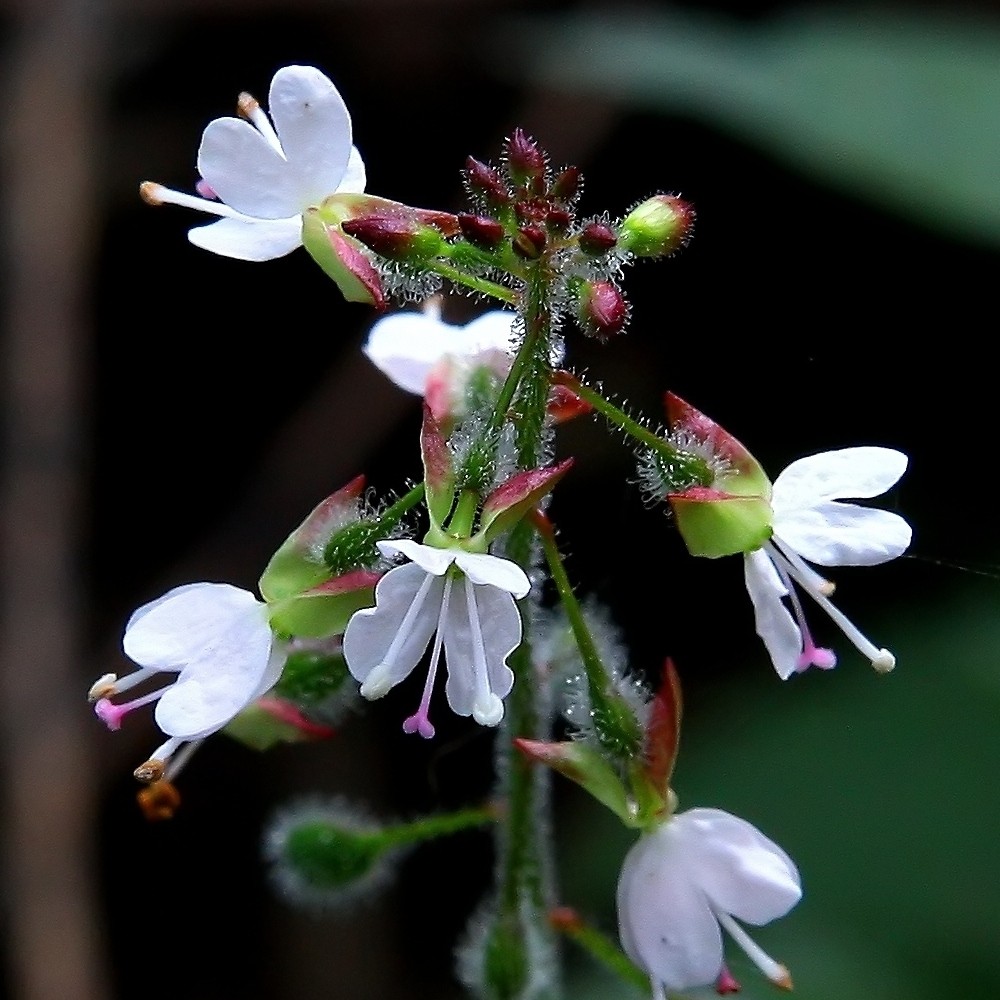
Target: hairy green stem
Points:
(482, 285)
(431, 827)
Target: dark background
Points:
(170, 415)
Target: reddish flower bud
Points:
(525, 158)
(567, 184)
(529, 242)
(481, 230)
(658, 226)
(558, 219)
(602, 309)
(484, 180)
(597, 238)
(395, 237)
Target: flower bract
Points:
(217, 639)
(689, 878)
(466, 602)
(267, 171)
(812, 524)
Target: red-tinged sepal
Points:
(299, 564)
(564, 404)
(522, 493)
(663, 730)
(439, 469)
(733, 513)
(342, 259)
(270, 721)
(589, 769)
(324, 610)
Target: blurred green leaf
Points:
(899, 107)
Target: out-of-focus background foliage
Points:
(168, 416)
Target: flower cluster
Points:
(352, 601)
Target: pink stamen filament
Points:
(860, 642)
(111, 714)
(811, 655)
(420, 721)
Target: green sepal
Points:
(715, 524)
(439, 469)
(324, 610)
(260, 728)
(342, 259)
(312, 676)
(510, 501)
(299, 564)
(589, 769)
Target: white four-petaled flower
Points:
(467, 602)
(811, 523)
(266, 175)
(684, 881)
(217, 639)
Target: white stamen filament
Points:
(250, 108)
(658, 992)
(157, 194)
(425, 700)
(487, 708)
(379, 680)
(178, 760)
(125, 683)
(165, 751)
(881, 659)
(819, 582)
(773, 970)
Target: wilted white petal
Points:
(428, 557)
(850, 473)
(314, 127)
(775, 624)
(843, 534)
(388, 635)
(666, 925)
(496, 572)
(249, 239)
(742, 872)
(246, 173)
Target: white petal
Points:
(850, 473)
(843, 534)
(496, 572)
(775, 624)
(247, 173)
(427, 557)
(375, 632)
(500, 625)
(487, 338)
(177, 628)
(314, 127)
(354, 179)
(406, 346)
(665, 923)
(250, 239)
(222, 679)
(742, 872)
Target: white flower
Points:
(426, 356)
(688, 878)
(811, 524)
(217, 639)
(470, 609)
(267, 175)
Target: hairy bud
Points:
(658, 226)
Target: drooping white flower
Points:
(466, 601)
(812, 523)
(697, 873)
(422, 354)
(267, 171)
(217, 639)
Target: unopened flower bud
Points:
(597, 238)
(658, 226)
(529, 242)
(567, 184)
(525, 158)
(558, 219)
(481, 230)
(484, 180)
(395, 237)
(602, 309)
